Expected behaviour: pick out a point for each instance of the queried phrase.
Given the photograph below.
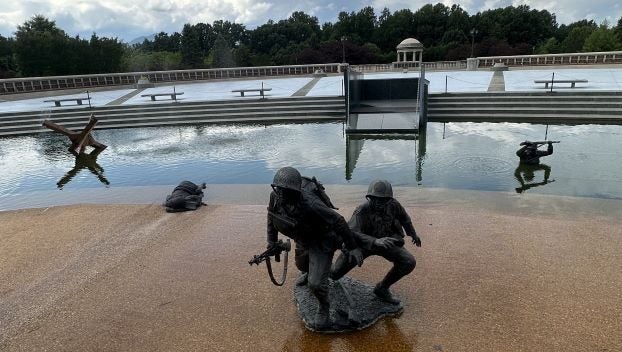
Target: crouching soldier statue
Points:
(317, 230)
(378, 225)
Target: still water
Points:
(479, 156)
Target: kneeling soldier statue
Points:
(378, 225)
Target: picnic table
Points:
(172, 95)
(553, 82)
(58, 101)
(260, 90)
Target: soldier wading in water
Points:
(317, 230)
(378, 225)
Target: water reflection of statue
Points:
(386, 336)
(525, 174)
(84, 161)
(529, 153)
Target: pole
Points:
(445, 84)
(473, 33)
(546, 133)
(472, 43)
(552, 80)
(88, 96)
(174, 93)
(343, 49)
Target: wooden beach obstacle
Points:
(79, 140)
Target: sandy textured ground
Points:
(497, 272)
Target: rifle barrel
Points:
(545, 142)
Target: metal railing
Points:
(33, 84)
(608, 57)
(401, 66)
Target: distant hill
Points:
(140, 40)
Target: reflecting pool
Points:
(478, 156)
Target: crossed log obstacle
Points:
(79, 140)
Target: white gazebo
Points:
(410, 50)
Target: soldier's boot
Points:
(384, 294)
(302, 279)
(322, 316)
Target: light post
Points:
(88, 97)
(473, 34)
(343, 49)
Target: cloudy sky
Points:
(128, 19)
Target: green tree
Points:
(431, 23)
(8, 66)
(221, 53)
(568, 43)
(602, 39)
(41, 48)
(233, 33)
(516, 25)
(84, 60)
(192, 47)
(243, 56)
(358, 27)
(106, 54)
(551, 46)
(164, 42)
(393, 28)
(574, 42)
(458, 20)
(282, 40)
(137, 60)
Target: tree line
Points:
(40, 48)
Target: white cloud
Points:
(129, 19)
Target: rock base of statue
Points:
(354, 306)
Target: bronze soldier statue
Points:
(317, 230)
(379, 226)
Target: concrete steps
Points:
(545, 107)
(159, 114)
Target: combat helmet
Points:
(288, 178)
(380, 189)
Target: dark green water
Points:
(479, 156)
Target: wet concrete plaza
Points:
(496, 272)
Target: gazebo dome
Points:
(409, 43)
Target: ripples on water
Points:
(456, 155)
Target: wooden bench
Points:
(260, 90)
(153, 96)
(57, 101)
(571, 81)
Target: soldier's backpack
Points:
(316, 188)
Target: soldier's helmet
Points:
(288, 178)
(380, 189)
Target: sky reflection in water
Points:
(456, 155)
